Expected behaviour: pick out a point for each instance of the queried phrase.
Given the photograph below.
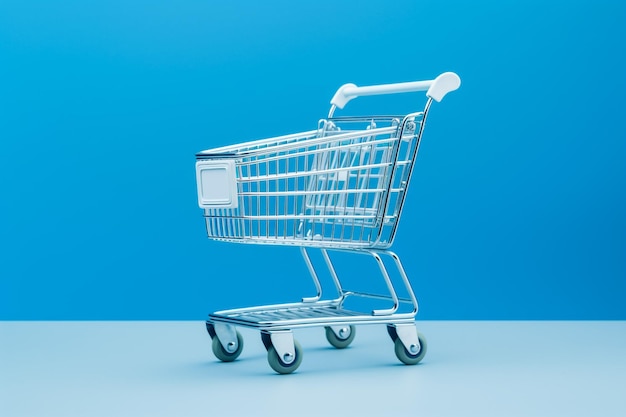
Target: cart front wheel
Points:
(409, 358)
(222, 354)
(343, 340)
(279, 365)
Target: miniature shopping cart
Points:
(338, 188)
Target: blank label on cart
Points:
(217, 184)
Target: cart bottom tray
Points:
(305, 314)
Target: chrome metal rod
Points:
(390, 287)
(313, 274)
(349, 293)
(333, 273)
(405, 279)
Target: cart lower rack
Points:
(338, 188)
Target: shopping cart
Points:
(338, 188)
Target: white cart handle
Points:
(435, 89)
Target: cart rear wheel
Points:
(277, 363)
(222, 354)
(340, 342)
(407, 357)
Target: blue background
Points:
(518, 205)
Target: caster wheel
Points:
(222, 354)
(409, 358)
(338, 341)
(277, 363)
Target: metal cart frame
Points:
(339, 188)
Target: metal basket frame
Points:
(338, 188)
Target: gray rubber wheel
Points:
(278, 365)
(339, 342)
(221, 353)
(409, 358)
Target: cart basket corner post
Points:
(337, 188)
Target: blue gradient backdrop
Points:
(517, 210)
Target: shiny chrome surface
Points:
(407, 333)
(227, 336)
(316, 312)
(284, 345)
(339, 188)
(343, 186)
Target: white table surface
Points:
(482, 368)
